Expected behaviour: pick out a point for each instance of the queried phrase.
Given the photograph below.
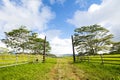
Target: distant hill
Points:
(67, 55)
(63, 55)
(3, 50)
(51, 55)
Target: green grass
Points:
(8, 59)
(30, 71)
(107, 59)
(40, 71)
(96, 71)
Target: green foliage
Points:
(115, 49)
(91, 39)
(17, 39)
(21, 40)
(35, 44)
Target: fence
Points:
(11, 59)
(104, 59)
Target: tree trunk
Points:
(23, 50)
(88, 58)
(44, 50)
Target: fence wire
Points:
(11, 59)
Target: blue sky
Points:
(66, 10)
(57, 19)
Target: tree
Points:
(91, 39)
(21, 40)
(115, 49)
(17, 39)
(48, 48)
(36, 45)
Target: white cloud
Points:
(58, 45)
(82, 3)
(41, 36)
(107, 14)
(50, 34)
(31, 13)
(61, 46)
(2, 45)
(94, 8)
(57, 1)
(34, 15)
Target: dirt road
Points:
(64, 70)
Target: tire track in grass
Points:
(63, 70)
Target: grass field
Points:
(8, 59)
(107, 59)
(62, 69)
(96, 71)
(30, 71)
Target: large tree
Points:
(17, 39)
(36, 45)
(21, 40)
(115, 49)
(91, 39)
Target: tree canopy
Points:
(115, 49)
(25, 41)
(91, 39)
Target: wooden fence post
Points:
(16, 58)
(73, 49)
(102, 58)
(44, 49)
(88, 56)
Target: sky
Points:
(57, 19)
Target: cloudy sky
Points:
(57, 19)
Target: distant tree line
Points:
(22, 40)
